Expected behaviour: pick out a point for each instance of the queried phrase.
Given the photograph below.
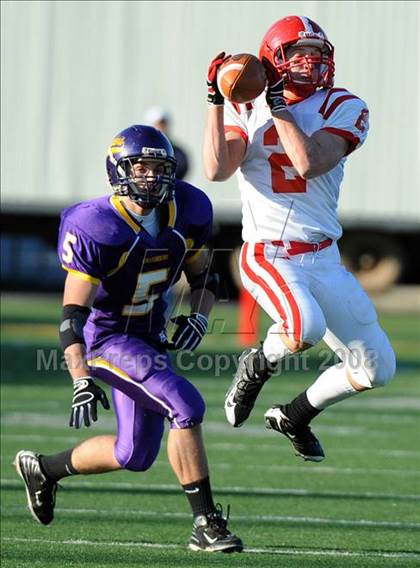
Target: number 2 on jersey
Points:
(284, 177)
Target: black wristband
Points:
(73, 321)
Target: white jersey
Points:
(277, 204)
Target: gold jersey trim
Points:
(82, 275)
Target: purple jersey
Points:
(101, 242)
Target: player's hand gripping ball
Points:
(241, 78)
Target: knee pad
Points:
(187, 404)
(134, 460)
(386, 367)
(142, 463)
(314, 326)
(275, 348)
(371, 368)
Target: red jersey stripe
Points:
(258, 280)
(282, 284)
(327, 99)
(239, 130)
(236, 107)
(354, 140)
(337, 103)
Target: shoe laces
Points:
(249, 385)
(251, 382)
(217, 521)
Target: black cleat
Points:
(243, 391)
(40, 491)
(210, 533)
(305, 443)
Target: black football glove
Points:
(275, 90)
(85, 400)
(191, 330)
(214, 96)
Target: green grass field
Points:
(358, 508)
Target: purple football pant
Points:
(145, 391)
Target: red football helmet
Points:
(298, 31)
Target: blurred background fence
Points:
(75, 73)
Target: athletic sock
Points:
(200, 497)
(300, 411)
(330, 387)
(273, 347)
(58, 466)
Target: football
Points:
(241, 78)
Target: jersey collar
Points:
(119, 207)
(168, 218)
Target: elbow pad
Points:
(73, 321)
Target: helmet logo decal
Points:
(154, 152)
(117, 144)
(311, 35)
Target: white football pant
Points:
(310, 297)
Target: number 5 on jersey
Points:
(284, 177)
(142, 300)
(69, 240)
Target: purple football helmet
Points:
(148, 146)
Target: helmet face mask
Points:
(301, 68)
(301, 72)
(141, 165)
(146, 181)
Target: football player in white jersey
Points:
(289, 147)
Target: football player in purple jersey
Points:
(122, 253)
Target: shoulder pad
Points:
(98, 220)
(333, 99)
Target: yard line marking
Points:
(312, 469)
(322, 552)
(269, 447)
(19, 419)
(307, 469)
(283, 551)
(93, 543)
(229, 446)
(257, 518)
(339, 430)
(42, 437)
(71, 483)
